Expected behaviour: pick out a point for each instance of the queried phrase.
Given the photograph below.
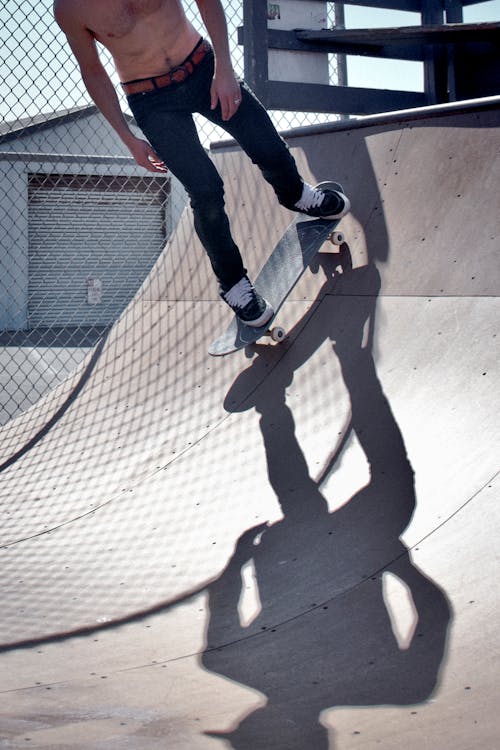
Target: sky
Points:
(38, 73)
(401, 74)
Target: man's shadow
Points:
(324, 636)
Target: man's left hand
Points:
(225, 90)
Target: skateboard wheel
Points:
(277, 333)
(336, 238)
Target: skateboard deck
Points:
(281, 272)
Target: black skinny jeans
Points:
(166, 118)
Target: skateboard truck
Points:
(336, 238)
(276, 333)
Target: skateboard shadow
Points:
(324, 636)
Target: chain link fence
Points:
(81, 224)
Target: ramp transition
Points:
(294, 546)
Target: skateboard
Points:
(281, 272)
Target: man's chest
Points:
(117, 18)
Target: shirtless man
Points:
(169, 72)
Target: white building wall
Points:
(83, 134)
(294, 66)
(79, 133)
(13, 245)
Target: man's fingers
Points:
(229, 102)
(157, 164)
(146, 157)
(154, 166)
(214, 97)
(229, 106)
(225, 109)
(155, 161)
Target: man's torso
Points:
(145, 37)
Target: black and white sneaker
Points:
(247, 303)
(322, 202)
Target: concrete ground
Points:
(294, 547)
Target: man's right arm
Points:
(101, 89)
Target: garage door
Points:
(92, 241)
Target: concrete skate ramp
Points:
(294, 547)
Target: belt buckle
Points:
(179, 73)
